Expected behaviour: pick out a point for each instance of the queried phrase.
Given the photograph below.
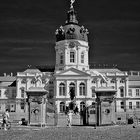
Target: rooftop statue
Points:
(71, 5)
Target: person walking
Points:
(5, 118)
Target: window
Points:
(93, 81)
(93, 93)
(82, 57)
(62, 107)
(112, 81)
(82, 106)
(122, 81)
(72, 57)
(135, 73)
(50, 95)
(61, 58)
(122, 105)
(22, 105)
(12, 107)
(102, 81)
(22, 92)
(130, 92)
(121, 92)
(62, 89)
(137, 92)
(82, 89)
(137, 104)
(50, 82)
(93, 104)
(72, 90)
(130, 105)
(72, 86)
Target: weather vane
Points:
(71, 4)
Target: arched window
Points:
(62, 107)
(72, 86)
(72, 57)
(82, 57)
(61, 58)
(82, 106)
(72, 90)
(82, 89)
(62, 89)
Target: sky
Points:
(27, 32)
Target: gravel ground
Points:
(73, 133)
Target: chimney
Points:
(11, 74)
(4, 74)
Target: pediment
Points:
(72, 72)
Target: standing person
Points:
(70, 118)
(135, 121)
(5, 118)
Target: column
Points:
(56, 89)
(67, 89)
(75, 88)
(126, 92)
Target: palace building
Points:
(109, 94)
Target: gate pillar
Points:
(36, 106)
(105, 109)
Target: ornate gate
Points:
(51, 115)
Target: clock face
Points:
(71, 45)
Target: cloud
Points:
(27, 30)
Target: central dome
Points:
(71, 30)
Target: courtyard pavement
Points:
(124, 132)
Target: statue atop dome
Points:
(71, 5)
(71, 29)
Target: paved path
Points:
(73, 133)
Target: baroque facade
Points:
(72, 71)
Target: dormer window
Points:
(72, 57)
(82, 57)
